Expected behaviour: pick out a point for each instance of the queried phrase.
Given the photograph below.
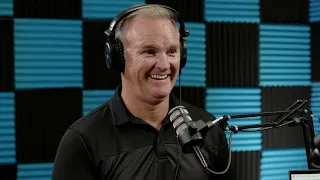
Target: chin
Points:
(161, 94)
(157, 93)
(158, 97)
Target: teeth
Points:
(159, 76)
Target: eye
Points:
(149, 51)
(172, 51)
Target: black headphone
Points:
(114, 54)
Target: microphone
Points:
(314, 158)
(190, 133)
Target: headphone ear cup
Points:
(118, 54)
(108, 54)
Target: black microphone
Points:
(314, 158)
(190, 133)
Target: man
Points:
(130, 136)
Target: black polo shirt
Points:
(110, 143)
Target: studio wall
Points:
(244, 56)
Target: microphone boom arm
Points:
(284, 118)
(302, 120)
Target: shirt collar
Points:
(121, 115)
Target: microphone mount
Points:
(296, 114)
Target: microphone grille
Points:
(316, 141)
(179, 116)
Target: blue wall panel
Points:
(7, 128)
(6, 8)
(231, 101)
(315, 105)
(102, 9)
(314, 11)
(232, 11)
(37, 171)
(276, 163)
(194, 73)
(94, 98)
(284, 55)
(48, 53)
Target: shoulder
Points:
(95, 129)
(77, 148)
(91, 123)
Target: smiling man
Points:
(130, 136)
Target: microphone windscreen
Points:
(316, 141)
(178, 115)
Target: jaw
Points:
(159, 88)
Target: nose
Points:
(163, 62)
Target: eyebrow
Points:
(174, 46)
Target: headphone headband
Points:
(114, 23)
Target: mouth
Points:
(159, 77)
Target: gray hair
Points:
(153, 12)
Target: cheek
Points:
(142, 67)
(175, 63)
(133, 64)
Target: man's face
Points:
(152, 53)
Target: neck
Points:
(152, 113)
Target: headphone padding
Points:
(108, 54)
(118, 55)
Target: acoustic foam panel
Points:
(184, 8)
(48, 53)
(95, 71)
(246, 165)
(193, 95)
(42, 116)
(48, 9)
(101, 9)
(6, 55)
(7, 128)
(232, 55)
(284, 11)
(315, 53)
(6, 8)
(8, 172)
(276, 163)
(34, 171)
(91, 99)
(284, 55)
(245, 11)
(220, 12)
(194, 72)
(279, 99)
(314, 10)
(235, 101)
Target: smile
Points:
(159, 77)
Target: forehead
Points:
(145, 28)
